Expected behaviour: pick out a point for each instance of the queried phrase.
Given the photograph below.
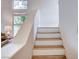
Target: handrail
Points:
(21, 47)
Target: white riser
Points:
(48, 30)
(49, 52)
(59, 42)
(48, 35)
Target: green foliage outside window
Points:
(18, 21)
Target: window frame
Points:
(17, 12)
(19, 9)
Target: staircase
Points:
(48, 44)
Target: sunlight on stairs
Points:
(48, 44)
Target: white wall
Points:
(6, 14)
(49, 15)
(49, 12)
(68, 27)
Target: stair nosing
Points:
(48, 33)
(46, 48)
(48, 27)
(48, 39)
(49, 47)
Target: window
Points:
(20, 4)
(18, 21)
(19, 16)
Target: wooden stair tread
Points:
(48, 32)
(47, 27)
(49, 57)
(47, 47)
(48, 39)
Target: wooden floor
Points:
(48, 57)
